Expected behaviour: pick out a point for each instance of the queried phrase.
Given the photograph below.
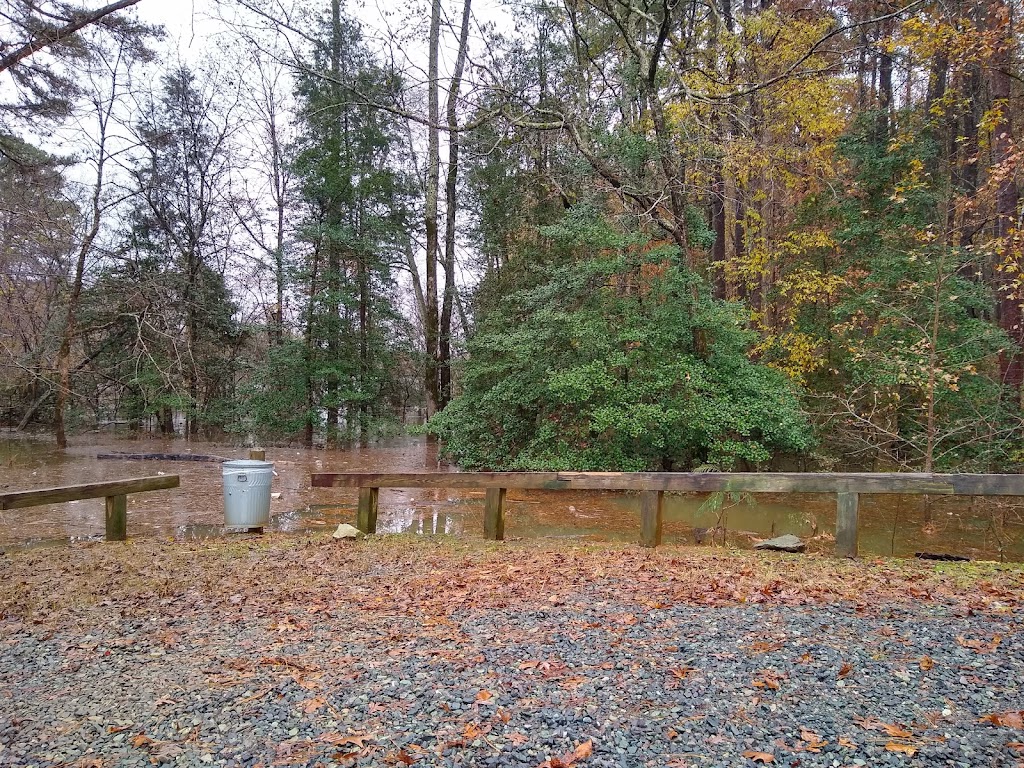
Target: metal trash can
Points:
(247, 493)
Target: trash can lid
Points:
(247, 464)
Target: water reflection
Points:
(902, 525)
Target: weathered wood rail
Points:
(114, 491)
(846, 485)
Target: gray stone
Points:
(346, 531)
(787, 543)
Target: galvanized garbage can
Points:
(247, 493)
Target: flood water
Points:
(980, 528)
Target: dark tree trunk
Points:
(1007, 199)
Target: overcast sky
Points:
(191, 23)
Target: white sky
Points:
(192, 27)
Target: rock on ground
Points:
(786, 543)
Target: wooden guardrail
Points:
(115, 491)
(846, 485)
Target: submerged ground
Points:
(985, 528)
(295, 650)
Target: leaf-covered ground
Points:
(287, 650)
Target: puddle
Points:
(983, 528)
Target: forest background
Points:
(595, 234)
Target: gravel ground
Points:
(602, 676)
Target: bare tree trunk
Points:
(333, 256)
(885, 93)
(451, 190)
(103, 111)
(430, 320)
(311, 404)
(1007, 197)
(280, 192)
(363, 280)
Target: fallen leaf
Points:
(484, 696)
(762, 647)
(980, 646)
(1004, 719)
(846, 669)
(904, 749)
(896, 731)
(767, 679)
(312, 705)
(164, 751)
(847, 742)
(759, 757)
(927, 662)
(288, 624)
(812, 741)
(681, 673)
(405, 758)
(671, 733)
(141, 740)
(1016, 745)
(517, 739)
(357, 740)
(584, 750)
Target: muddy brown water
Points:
(981, 528)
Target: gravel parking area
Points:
(437, 654)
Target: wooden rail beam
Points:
(690, 482)
(765, 482)
(65, 493)
(520, 480)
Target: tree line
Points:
(662, 234)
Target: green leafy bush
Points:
(612, 355)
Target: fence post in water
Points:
(846, 524)
(117, 518)
(651, 506)
(366, 518)
(494, 514)
(255, 455)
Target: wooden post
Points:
(846, 524)
(117, 518)
(366, 519)
(257, 455)
(651, 518)
(494, 514)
